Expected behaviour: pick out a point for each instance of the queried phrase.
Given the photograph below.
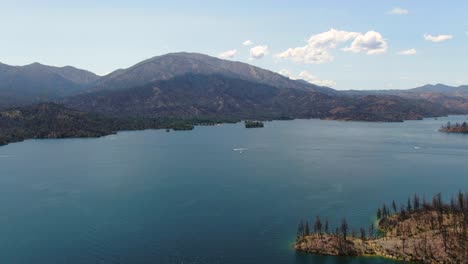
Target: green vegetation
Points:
(253, 124)
(455, 128)
(50, 120)
(417, 231)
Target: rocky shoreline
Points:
(432, 233)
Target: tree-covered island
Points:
(417, 231)
(455, 128)
(253, 124)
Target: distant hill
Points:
(455, 99)
(441, 88)
(38, 83)
(172, 65)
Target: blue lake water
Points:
(187, 197)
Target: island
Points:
(455, 128)
(253, 124)
(417, 231)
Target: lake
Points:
(188, 197)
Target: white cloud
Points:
(306, 76)
(247, 43)
(407, 52)
(229, 54)
(258, 52)
(285, 73)
(318, 47)
(438, 38)
(371, 43)
(398, 11)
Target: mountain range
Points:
(192, 86)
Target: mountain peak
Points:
(170, 65)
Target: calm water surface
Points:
(187, 197)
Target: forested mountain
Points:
(217, 96)
(38, 83)
(189, 86)
(176, 64)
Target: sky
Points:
(341, 44)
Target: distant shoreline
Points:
(29, 123)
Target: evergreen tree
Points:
(326, 225)
(416, 205)
(344, 228)
(363, 234)
(318, 225)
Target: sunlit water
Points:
(188, 197)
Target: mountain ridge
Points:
(169, 65)
(36, 82)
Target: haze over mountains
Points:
(196, 86)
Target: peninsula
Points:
(419, 231)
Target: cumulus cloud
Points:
(407, 52)
(398, 11)
(285, 73)
(247, 43)
(438, 38)
(229, 54)
(258, 52)
(318, 46)
(306, 76)
(371, 43)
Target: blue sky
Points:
(344, 44)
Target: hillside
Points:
(50, 120)
(193, 86)
(38, 83)
(217, 96)
(455, 99)
(419, 232)
(176, 64)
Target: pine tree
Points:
(326, 225)
(363, 234)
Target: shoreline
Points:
(188, 125)
(419, 233)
